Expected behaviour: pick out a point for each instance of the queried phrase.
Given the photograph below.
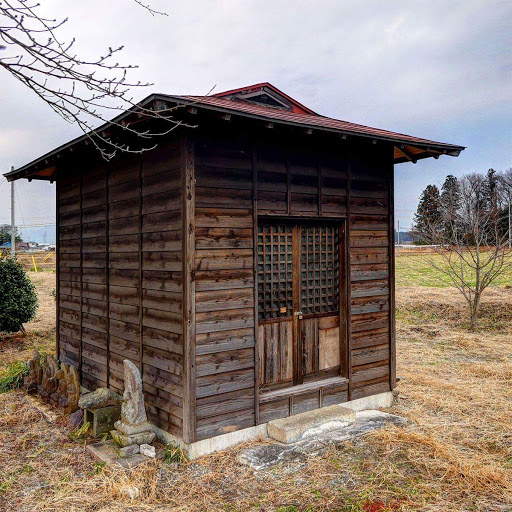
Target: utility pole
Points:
(398, 235)
(13, 227)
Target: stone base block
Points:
(225, 441)
(126, 440)
(311, 423)
(102, 420)
(108, 452)
(129, 430)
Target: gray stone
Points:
(310, 424)
(132, 408)
(74, 419)
(131, 492)
(102, 397)
(35, 374)
(148, 450)
(128, 451)
(124, 440)
(129, 430)
(133, 427)
(263, 456)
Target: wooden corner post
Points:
(392, 327)
(57, 265)
(189, 306)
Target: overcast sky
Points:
(435, 69)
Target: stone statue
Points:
(70, 403)
(62, 386)
(133, 427)
(49, 382)
(35, 374)
(133, 411)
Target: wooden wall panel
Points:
(120, 276)
(224, 287)
(161, 277)
(292, 179)
(94, 265)
(370, 269)
(69, 272)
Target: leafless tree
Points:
(475, 250)
(81, 91)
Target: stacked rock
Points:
(133, 429)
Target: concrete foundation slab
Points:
(310, 423)
(225, 441)
(267, 455)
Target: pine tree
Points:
(450, 204)
(490, 191)
(428, 215)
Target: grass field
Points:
(416, 269)
(455, 454)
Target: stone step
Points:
(311, 423)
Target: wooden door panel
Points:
(320, 290)
(320, 341)
(309, 341)
(298, 276)
(275, 345)
(328, 348)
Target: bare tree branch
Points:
(79, 90)
(474, 243)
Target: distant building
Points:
(20, 246)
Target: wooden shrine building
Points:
(246, 264)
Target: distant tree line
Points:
(440, 213)
(468, 222)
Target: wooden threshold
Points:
(332, 382)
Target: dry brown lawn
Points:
(455, 455)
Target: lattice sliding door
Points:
(298, 302)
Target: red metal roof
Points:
(308, 120)
(407, 147)
(296, 106)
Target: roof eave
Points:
(427, 144)
(441, 148)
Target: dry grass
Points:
(45, 318)
(456, 455)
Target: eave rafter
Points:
(406, 153)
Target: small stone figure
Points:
(133, 411)
(49, 382)
(133, 427)
(35, 374)
(61, 393)
(70, 404)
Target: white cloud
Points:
(429, 68)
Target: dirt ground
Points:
(455, 455)
(45, 317)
